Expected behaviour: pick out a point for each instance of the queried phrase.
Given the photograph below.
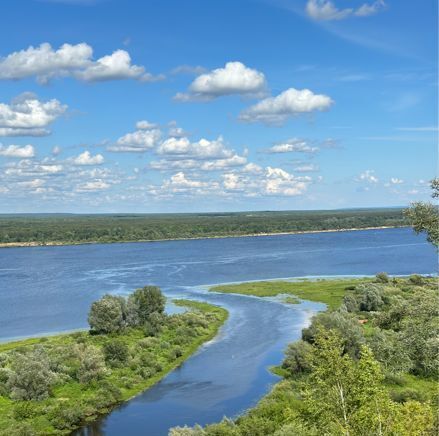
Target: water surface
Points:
(49, 289)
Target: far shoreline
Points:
(244, 235)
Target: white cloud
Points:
(87, 159)
(307, 168)
(10, 131)
(396, 181)
(266, 182)
(145, 125)
(26, 113)
(32, 184)
(368, 176)
(326, 10)
(234, 78)
(26, 151)
(202, 149)
(96, 185)
(137, 142)
(293, 145)
(289, 103)
(56, 150)
(76, 61)
(280, 182)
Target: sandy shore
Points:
(250, 235)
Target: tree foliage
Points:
(424, 217)
(107, 314)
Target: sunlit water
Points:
(49, 289)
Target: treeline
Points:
(55, 384)
(117, 228)
(368, 368)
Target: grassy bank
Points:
(328, 291)
(72, 401)
(366, 366)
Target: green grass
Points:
(72, 394)
(327, 291)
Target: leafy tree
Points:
(424, 217)
(92, 364)
(382, 277)
(371, 299)
(115, 352)
(31, 378)
(298, 357)
(107, 314)
(146, 301)
(342, 322)
(391, 351)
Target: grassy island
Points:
(366, 366)
(49, 386)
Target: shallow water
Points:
(49, 289)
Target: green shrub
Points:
(115, 352)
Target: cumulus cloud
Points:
(326, 10)
(27, 116)
(293, 145)
(267, 181)
(137, 142)
(145, 125)
(234, 78)
(289, 103)
(96, 185)
(396, 181)
(202, 149)
(10, 131)
(76, 61)
(307, 168)
(87, 159)
(26, 151)
(368, 176)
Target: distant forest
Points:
(66, 228)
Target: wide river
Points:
(49, 289)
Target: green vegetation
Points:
(424, 217)
(366, 367)
(53, 385)
(330, 291)
(74, 229)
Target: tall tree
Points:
(424, 217)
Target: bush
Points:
(382, 277)
(371, 297)
(92, 365)
(116, 353)
(64, 418)
(407, 395)
(31, 378)
(24, 410)
(416, 279)
(343, 323)
(107, 314)
(297, 358)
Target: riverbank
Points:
(92, 374)
(243, 235)
(375, 355)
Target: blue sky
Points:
(181, 106)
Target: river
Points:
(49, 289)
